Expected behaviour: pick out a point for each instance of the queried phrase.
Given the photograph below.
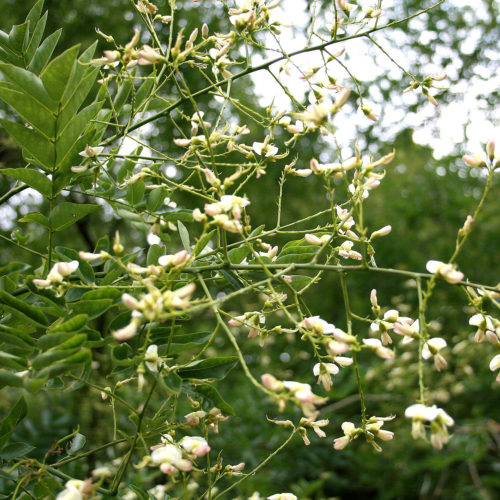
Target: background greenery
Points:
(425, 206)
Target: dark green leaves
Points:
(211, 368)
(66, 214)
(33, 178)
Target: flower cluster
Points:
(56, 275)
(301, 394)
(153, 306)
(221, 212)
(439, 422)
(173, 457)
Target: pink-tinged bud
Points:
(439, 78)
(42, 283)
(91, 257)
(315, 166)
(271, 383)
(465, 229)
(148, 55)
(198, 216)
(313, 240)
(492, 337)
(342, 97)
(490, 149)
(473, 160)
(210, 177)
(134, 41)
(343, 337)
(302, 172)
(126, 332)
(238, 467)
(373, 299)
(129, 301)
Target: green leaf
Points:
(202, 243)
(29, 110)
(15, 450)
(74, 129)
(122, 355)
(25, 310)
(56, 75)
(33, 178)
(72, 325)
(184, 234)
(155, 199)
(31, 140)
(78, 72)
(44, 52)
(10, 339)
(128, 165)
(76, 99)
(18, 36)
(135, 192)
(122, 95)
(36, 217)
(12, 361)
(13, 267)
(172, 383)
(236, 255)
(66, 214)
(51, 357)
(10, 380)
(30, 84)
(77, 443)
(233, 279)
(93, 308)
(103, 293)
(10, 422)
(144, 90)
(154, 252)
(212, 394)
(176, 214)
(35, 38)
(50, 340)
(216, 368)
(34, 13)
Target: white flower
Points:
(72, 491)
(495, 365)
(324, 371)
(282, 496)
(151, 358)
(317, 325)
(195, 445)
(91, 151)
(264, 149)
(376, 346)
(444, 271)
(350, 433)
(431, 348)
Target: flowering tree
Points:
(150, 334)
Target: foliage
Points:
(173, 290)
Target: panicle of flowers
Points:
(56, 275)
(301, 394)
(153, 306)
(173, 457)
(438, 419)
(229, 205)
